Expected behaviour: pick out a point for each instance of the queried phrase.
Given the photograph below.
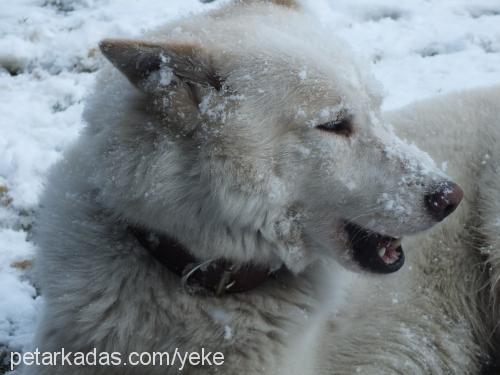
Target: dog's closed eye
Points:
(342, 126)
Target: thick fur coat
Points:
(211, 131)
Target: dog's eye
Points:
(342, 126)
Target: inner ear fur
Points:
(138, 60)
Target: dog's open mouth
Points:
(373, 251)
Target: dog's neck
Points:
(215, 276)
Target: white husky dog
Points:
(235, 169)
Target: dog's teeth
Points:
(396, 243)
(381, 251)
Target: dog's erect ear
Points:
(150, 65)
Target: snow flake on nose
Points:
(303, 74)
(497, 222)
(218, 109)
(328, 113)
(300, 113)
(415, 161)
(395, 203)
(351, 185)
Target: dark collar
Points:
(217, 276)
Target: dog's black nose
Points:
(444, 199)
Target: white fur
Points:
(244, 175)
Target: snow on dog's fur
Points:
(249, 135)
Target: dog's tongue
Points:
(388, 250)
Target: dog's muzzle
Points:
(373, 251)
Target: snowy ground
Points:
(48, 60)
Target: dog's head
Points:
(258, 138)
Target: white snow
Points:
(48, 59)
(228, 333)
(303, 74)
(419, 47)
(19, 302)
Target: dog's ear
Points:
(149, 65)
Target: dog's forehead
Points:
(300, 71)
(286, 62)
(319, 74)
(306, 88)
(286, 39)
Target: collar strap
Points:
(217, 276)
